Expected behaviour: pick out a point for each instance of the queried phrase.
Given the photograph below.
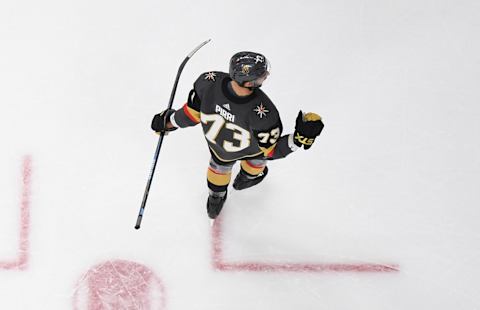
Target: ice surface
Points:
(392, 181)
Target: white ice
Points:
(394, 177)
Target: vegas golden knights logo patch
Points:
(210, 76)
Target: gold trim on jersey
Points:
(192, 114)
(267, 151)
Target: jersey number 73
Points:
(218, 123)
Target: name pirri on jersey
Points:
(225, 114)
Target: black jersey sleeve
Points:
(267, 129)
(189, 114)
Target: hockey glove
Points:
(161, 122)
(308, 126)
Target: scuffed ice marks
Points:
(119, 284)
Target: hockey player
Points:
(240, 123)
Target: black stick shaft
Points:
(160, 139)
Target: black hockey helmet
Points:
(249, 67)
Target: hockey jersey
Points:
(235, 127)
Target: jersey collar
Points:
(227, 92)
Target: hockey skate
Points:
(243, 180)
(215, 204)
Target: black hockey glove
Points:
(161, 122)
(307, 128)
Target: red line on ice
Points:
(219, 264)
(22, 259)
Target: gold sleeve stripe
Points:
(268, 152)
(251, 169)
(193, 115)
(219, 179)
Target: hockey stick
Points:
(160, 139)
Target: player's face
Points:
(259, 81)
